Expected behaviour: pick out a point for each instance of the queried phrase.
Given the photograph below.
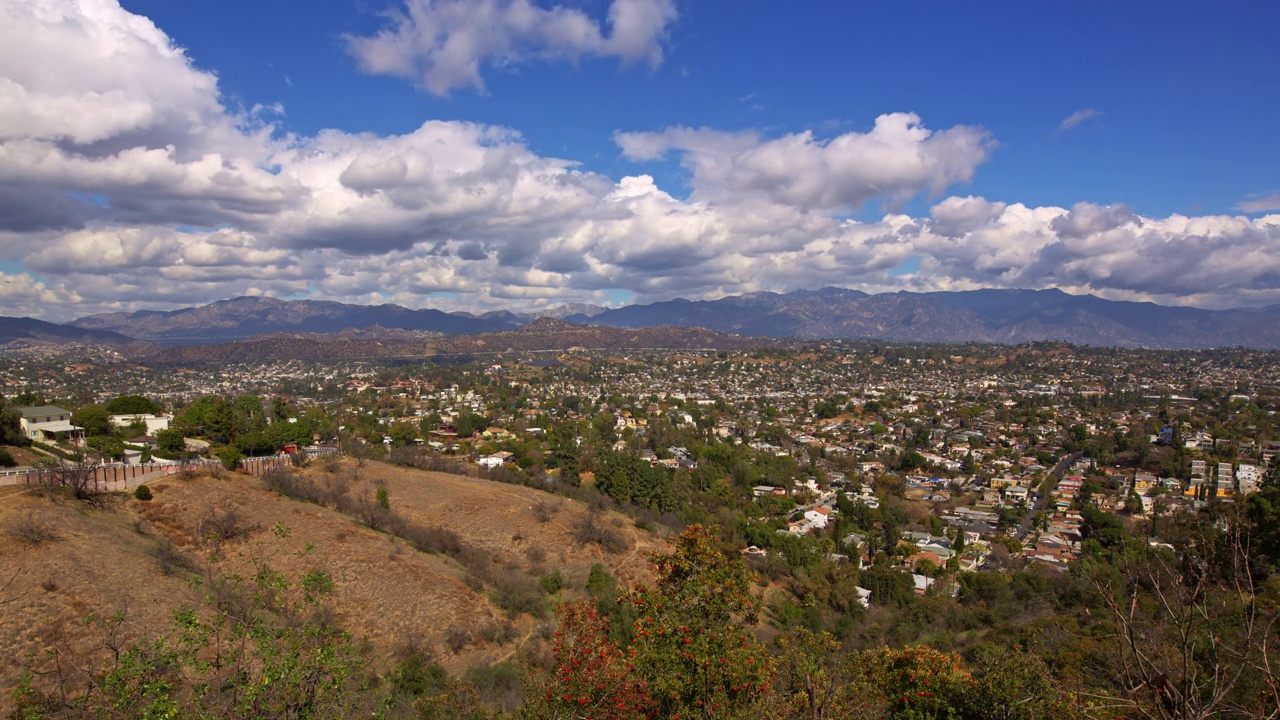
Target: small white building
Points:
(818, 516)
(495, 460)
(154, 423)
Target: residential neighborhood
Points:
(999, 456)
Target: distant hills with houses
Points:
(985, 316)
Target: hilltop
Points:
(140, 559)
(541, 335)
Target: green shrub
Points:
(499, 684)
(230, 457)
(415, 674)
(142, 492)
(515, 592)
(552, 582)
(6, 459)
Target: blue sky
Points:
(1187, 93)
(1082, 132)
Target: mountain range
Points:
(994, 316)
(30, 330)
(540, 335)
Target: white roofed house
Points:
(49, 423)
(495, 460)
(153, 423)
(818, 516)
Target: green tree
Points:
(250, 415)
(254, 444)
(94, 419)
(170, 441)
(11, 425)
(212, 413)
(565, 457)
(230, 457)
(469, 424)
(280, 410)
(107, 447)
(692, 645)
(401, 434)
(626, 477)
(429, 422)
(133, 405)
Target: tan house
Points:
(49, 423)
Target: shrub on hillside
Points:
(552, 582)
(142, 492)
(169, 558)
(591, 530)
(373, 515)
(31, 529)
(517, 592)
(230, 457)
(456, 637)
(6, 459)
(223, 523)
(546, 509)
(432, 539)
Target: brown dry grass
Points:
(97, 566)
(105, 560)
(22, 456)
(504, 520)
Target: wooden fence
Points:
(118, 476)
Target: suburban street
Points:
(1056, 472)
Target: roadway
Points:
(1057, 472)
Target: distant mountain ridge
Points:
(245, 317)
(993, 316)
(541, 335)
(35, 331)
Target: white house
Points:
(155, 423)
(495, 460)
(817, 516)
(1015, 494)
(48, 423)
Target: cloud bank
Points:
(444, 44)
(128, 181)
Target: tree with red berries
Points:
(691, 641)
(592, 677)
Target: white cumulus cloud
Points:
(445, 44)
(897, 159)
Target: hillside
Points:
(1007, 316)
(541, 335)
(244, 317)
(32, 331)
(105, 560)
(995, 316)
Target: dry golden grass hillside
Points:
(120, 558)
